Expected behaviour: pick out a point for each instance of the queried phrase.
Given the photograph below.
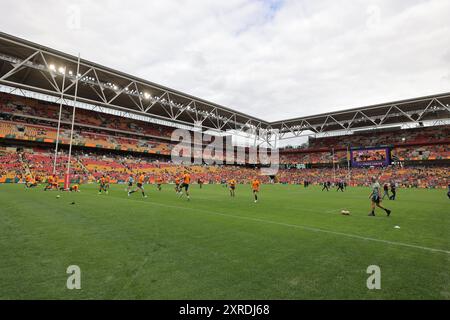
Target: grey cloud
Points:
(304, 57)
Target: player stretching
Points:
(232, 184)
(33, 183)
(255, 188)
(30, 182)
(185, 185)
(27, 180)
(51, 180)
(375, 197)
(139, 185)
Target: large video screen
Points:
(370, 157)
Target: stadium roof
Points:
(417, 110)
(27, 65)
(30, 66)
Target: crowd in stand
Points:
(427, 152)
(10, 165)
(89, 137)
(95, 138)
(29, 119)
(27, 107)
(395, 137)
(313, 157)
(33, 120)
(89, 167)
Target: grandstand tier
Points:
(118, 146)
(88, 167)
(32, 120)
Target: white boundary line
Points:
(313, 229)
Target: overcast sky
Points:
(271, 59)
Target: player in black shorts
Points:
(385, 191)
(139, 185)
(130, 183)
(375, 197)
(177, 185)
(340, 186)
(393, 191)
(185, 185)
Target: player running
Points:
(159, 182)
(130, 183)
(102, 185)
(385, 191)
(107, 182)
(255, 188)
(139, 186)
(232, 186)
(375, 197)
(393, 191)
(325, 186)
(177, 185)
(185, 185)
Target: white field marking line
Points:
(348, 235)
(132, 278)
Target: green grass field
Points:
(292, 244)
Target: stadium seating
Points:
(90, 167)
(25, 119)
(27, 107)
(11, 166)
(417, 153)
(421, 135)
